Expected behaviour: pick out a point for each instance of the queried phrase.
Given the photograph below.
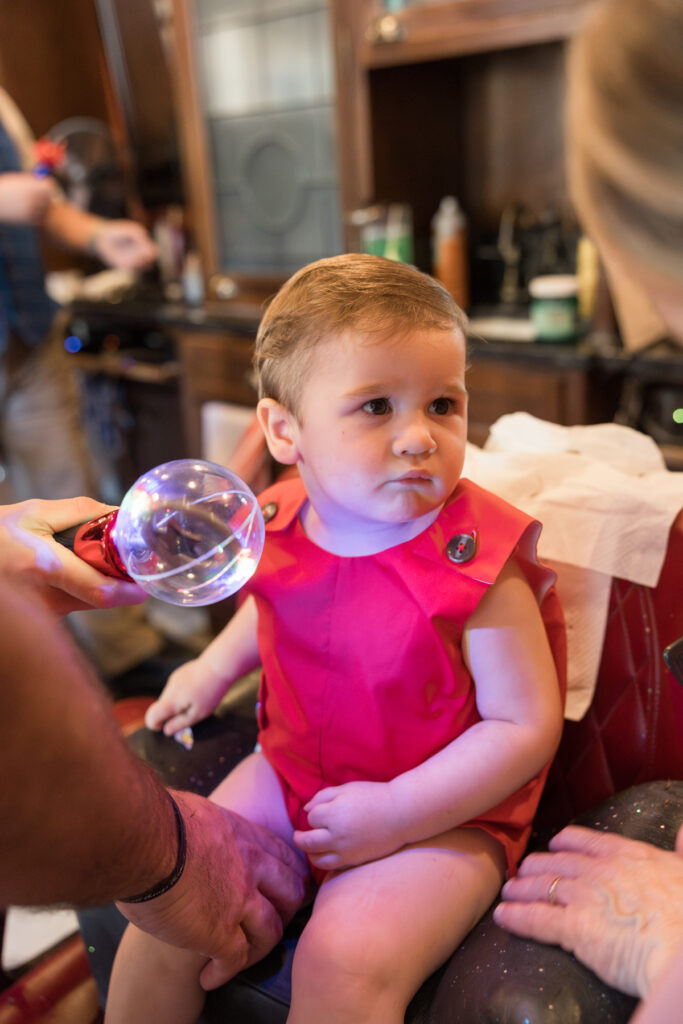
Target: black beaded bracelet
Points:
(167, 883)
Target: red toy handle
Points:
(94, 544)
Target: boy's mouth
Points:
(413, 476)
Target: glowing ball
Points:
(189, 532)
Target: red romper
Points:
(363, 675)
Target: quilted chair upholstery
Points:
(633, 729)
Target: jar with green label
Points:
(553, 307)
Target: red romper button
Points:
(461, 548)
(269, 511)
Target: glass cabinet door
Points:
(266, 84)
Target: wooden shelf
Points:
(436, 31)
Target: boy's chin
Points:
(412, 507)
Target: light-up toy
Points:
(189, 532)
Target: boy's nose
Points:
(415, 438)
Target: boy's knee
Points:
(351, 956)
(145, 954)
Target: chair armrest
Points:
(498, 977)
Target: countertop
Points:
(663, 361)
(231, 315)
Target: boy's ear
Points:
(279, 426)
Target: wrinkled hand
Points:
(123, 244)
(350, 824)
(240, 887)
(24, 198)
(30, 555)
(191, 693)
(618, 904)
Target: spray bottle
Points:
(449, 248)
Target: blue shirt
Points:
(25, 307)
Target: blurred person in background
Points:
(42, 443)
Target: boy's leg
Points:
(380, 929)
(253, 790)
(153, 981)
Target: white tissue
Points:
(606, 502)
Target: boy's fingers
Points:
(180, 721)
(155, 716)
(163, 711)
(314, 841)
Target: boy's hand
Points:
(191, 693)
(350, 824)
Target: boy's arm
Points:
(195, 689)
(507, 651)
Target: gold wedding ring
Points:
(551, 897)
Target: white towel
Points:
(606, 502)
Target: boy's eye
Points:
(377, 406)
(442, 406)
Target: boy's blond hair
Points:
(354, 292)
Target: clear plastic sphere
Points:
(189, 532)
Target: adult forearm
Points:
(70, 226)
(83, 820)
(663, 1003)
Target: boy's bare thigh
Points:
(406, 912)
(252, 789)
(410, 910)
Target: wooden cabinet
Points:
(562, 386)
(431, 31)
(215, 366)
(461, 98)
(442, 98)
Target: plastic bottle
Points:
(449, 247)
(588, 274)
(193, 279)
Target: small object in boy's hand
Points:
(185, 737)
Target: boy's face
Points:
(382, 426)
